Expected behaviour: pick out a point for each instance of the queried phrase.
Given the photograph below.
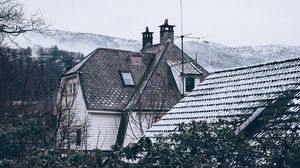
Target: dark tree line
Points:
(23, 78)
(26, 124)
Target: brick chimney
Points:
(147, 37)
(136, 58)
(166, 32)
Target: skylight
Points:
(127, 79)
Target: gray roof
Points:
(158, 90)
(154, 87)
(244, 95)
(75, 69)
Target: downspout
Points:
(122, 128)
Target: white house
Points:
(119, 94)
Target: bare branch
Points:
(13, 21)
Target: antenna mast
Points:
(182, 54)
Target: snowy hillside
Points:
(212, 56)
(78, 42)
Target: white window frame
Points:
(127, 80)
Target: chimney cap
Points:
(166, 24)
(147, 30)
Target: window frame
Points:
(186, 82)
(123, 80)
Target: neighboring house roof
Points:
(259, 99)
(154, 88)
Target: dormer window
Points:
(127, 79)
(190, 84)
(71, 88)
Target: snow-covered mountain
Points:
(78, 42)
(215, 56)
(212, 56)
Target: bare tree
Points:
(68, 125)
(140, 121)
(13, 21)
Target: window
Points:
(127, 79)
(78, 137)
(69, 87)
(72, 88)
(190, 83)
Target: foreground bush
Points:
(193, 145)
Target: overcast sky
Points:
(229, 22)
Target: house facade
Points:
(260, 101)
(117, 94)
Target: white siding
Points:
(80, 107)
(80, 112)
(76, 103)
(178, 80)
(134, 130)
(103, 130)
(197, 82)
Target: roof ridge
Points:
(190, 59)
(257, 65)
(146, 77)
(86, 58)
(114, 49)
(158, 44)
(82, 62)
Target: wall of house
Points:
(73, 105)
(80, 112)
(103, 129)
(178, 80)
(197, 81)
(80, 107)
(138, 123)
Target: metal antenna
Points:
(182, 53)
(181, 22)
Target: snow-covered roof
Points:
(236, 94)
